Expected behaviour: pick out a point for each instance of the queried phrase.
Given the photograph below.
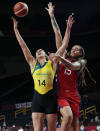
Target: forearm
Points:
(25, 49)
(19, 39)
(73, 65)
(65, 62)
(66, 38)
(64, 46)
(57, 32)
(54, 24)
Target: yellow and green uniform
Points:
(43, 77)
(44, 98)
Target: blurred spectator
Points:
(97, 119)
(82, 128)
(21, 129)
(0, 128)
(13, 128)
(4, 127)
(98, 127)
(92, 120)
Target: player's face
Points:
(40, 53)
(75, 51)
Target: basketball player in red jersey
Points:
(69, 70)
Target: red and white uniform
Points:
(67, 89)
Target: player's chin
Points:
(72, 55)
(40, 56)
(76, 56)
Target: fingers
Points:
(47, 9)
(50, 4)
(53, 6)
(73, 21)
(70, 19)
(14, 20)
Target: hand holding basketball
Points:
(20, 9)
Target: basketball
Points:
(20, 9)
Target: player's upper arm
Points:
(79, 65)
(31, 63)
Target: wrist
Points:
(51, 15)
(68, 30)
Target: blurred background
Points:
(16, 84)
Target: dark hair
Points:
(82, 75)
(82, 51)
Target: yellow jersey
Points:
(43, 77)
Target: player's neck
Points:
(41, 61)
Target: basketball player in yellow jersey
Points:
(43, 71)
(43, 77)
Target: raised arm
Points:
(28, 56)
(55, 26)
(69, 23)
(65, 42)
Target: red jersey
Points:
(67, 83)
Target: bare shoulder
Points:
(83, 61)
(79, 65)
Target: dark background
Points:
(16, 83)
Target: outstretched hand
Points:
(14, 22)
(70, 21)
(50, 9)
